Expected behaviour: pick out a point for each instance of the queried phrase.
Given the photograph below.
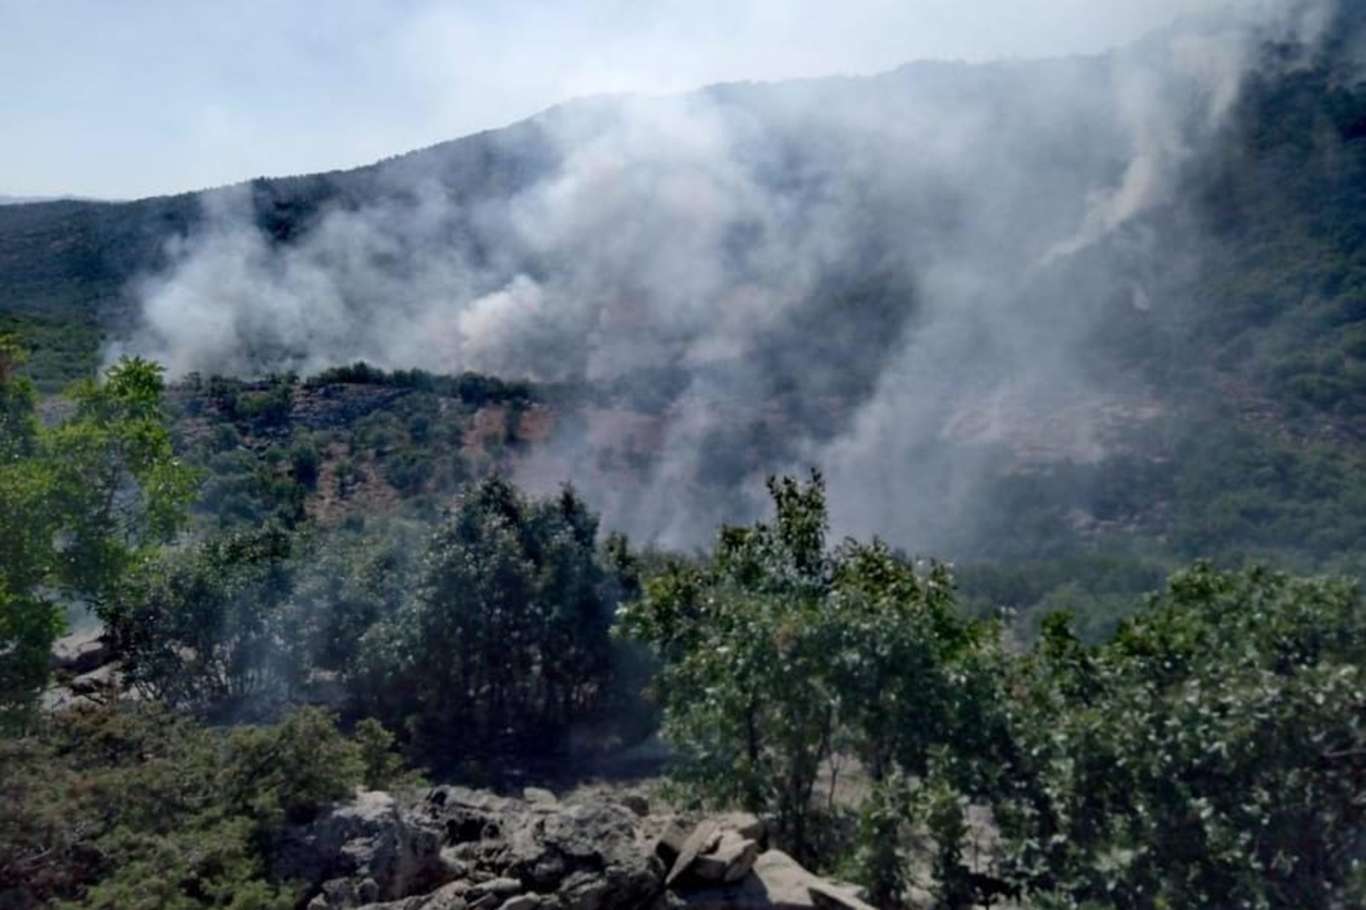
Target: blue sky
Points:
(127, 98)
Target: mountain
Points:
(22, 200)
(1021, 310)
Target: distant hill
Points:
(29, 200)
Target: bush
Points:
(135, 806)
(1213, 753)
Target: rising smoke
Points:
(893, 277)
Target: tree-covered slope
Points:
(947, 285)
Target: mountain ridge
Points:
(948, 276)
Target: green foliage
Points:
(779, 652)
(203, 627)
(304, 462)
(383, 766)
(342, 585)
(80, 502)
(880, 861)
(60, 350)
(1212, 753)
(506, 644)
(475, 389)
(134, 806)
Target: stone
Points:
(366, 851)
(81, 652)
(503, 887)
(671, 841)
(101, 680)
(539, 796)
(745, 824)
(775, 881)
(585, 891)
(827, 896)
(522, 902)
(447, 897)
(479, 851)
(703, 839)
(452, 864)
(730, 861)
(636, 803)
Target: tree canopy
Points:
(80, 502)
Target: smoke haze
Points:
(891, 277)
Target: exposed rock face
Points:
(369, 850)
(462, 849)
(81, 652)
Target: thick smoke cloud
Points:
(892, 278)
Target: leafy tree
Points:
(342, 586)
(79, 504)
(780, 652)
(203, 627)
(506, 643)
(1212, 753)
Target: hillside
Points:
(939, 489)
(1012, 316)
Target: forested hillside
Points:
(1188, 384)
(961, 469)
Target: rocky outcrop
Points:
(369, 850)
(462, 849)
(81, 652)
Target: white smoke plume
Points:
(879, 257)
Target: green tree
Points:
(506, 643)
(743, 649)
(779, 653)
(1212, 754)
(80, 502)
(202, 627)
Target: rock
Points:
(585, 891)
(774, 881)
(500, 887)
(730, 861)
(538, 796)
(486, 852)
(636, 803)
(831, 897)
(745, 824)
(81, 652)
(575, 856)
(668, 900)
(101, 680)
(703, 839)
(366, 851)
(671, 841)
(452, 864)
(447, 897)
(522, 902)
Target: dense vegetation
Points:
(1211, 753)
(309, 584)
(1209, 748)
(137, 807)
(80, 502)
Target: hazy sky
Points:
(142, 97)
